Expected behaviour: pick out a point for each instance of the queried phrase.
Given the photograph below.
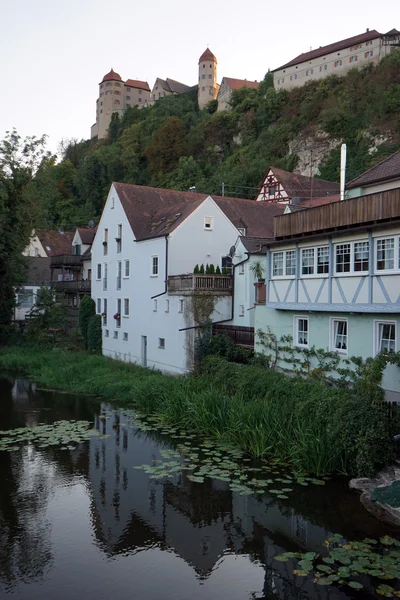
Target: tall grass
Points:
(315, 428)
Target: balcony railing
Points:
(72, 286)
(66, 260)
(363, 211)
(185, 284)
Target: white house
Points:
(147, 245)
(333, 279)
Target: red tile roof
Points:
(135, 83)
(387, 169)
(86, 235)
(112, 76)
(55, 242)
(154, 212)
(237, 84)
(301, 186)
(207, 55)
(323, 50)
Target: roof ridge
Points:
(373, 167)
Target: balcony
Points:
(338, 216)
(187, 284)
(74, 286)
(66, 260)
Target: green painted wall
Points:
(361, 329)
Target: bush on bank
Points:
(319, 429)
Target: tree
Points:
(87, 310)
(94, 335)
(19, 160)
(168, 144)
(47, 312)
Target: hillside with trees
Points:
(175, 145)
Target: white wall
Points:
(244, 289)
(35, 247)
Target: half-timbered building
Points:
(333, 279)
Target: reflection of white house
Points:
(146, 247)
(333, 279)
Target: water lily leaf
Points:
(328, 560)
(281, 558)
(282, 496)
(385, 590)
(355, 585)
(324, 568)
(305, 565)
(387, 540)
(309, 556)
(301, 573)
(323, 581)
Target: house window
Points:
(161, 343)
(104, 313)
(323, 67)
(385, 336)
(241, 269)
(127, 266)
(301, 331)
(119, 270)
(361, 256)
(290, 262)
(125, 336)
(98, 271)
(339, 340)
(353, 59)
(167, 306)
(126, 307)
(76, 250)
(203, 76)
(105, 242)
(106, 333)
(209, 76)
(128, 97)
(280, 81)
(181, 306)
(25, 298)
(338, 63)
(277, 264)
(118, 313)
(368, 43)
(98, 309)
(155, 305)
(119, 239)
(154, 266)
(271, 190)
(105, 277)
(115, 335)
(241, 310)
(343, 258)
(293, 77)
(385, 254)
(226, 265)
(323, 259)
(307, 261)
(369, 53)
(208, 223)
(309, 72)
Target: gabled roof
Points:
(387, 169)
(155, 212)
(86, 235)
(177, 87)
(237, 84)
(254, 245)
(135, 83)
(207, 55)
(301, 186)
(336, 46)
(55, 242)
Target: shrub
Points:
(217, 270)
(201, 270)
(87, 309)
(94, 335)
(196, 270)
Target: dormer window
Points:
(208, 223)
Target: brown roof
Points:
(389, 168)
(301, 186)
(176, 87)
(323, 50)
(55, 242)
(254, 245)
(135, 83)
(154, 212)
(207, 55)
(86, 235)
(237, 84)
(112, 76)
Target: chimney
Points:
(367, 30)
(343, 153)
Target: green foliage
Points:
(94, 335)
(196, 270)
(47, 313)
(87, 309)
(201, 270)
(217, 270)
(257, 269)
(211, 269)
(219, 345)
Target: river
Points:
(83, 523)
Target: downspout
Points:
(233, 301)
(166, 272)
(343, 152)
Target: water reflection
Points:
(85, 523)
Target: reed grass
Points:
(315, 428)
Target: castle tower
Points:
(111, 99)
(208, 87)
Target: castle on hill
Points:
(116, 95)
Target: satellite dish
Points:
(232, 251)
(91, 224)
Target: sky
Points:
(55, 53)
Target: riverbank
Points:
(316, 428)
